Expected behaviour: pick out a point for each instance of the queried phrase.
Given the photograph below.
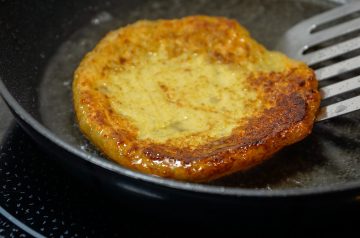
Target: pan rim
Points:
(352, 186)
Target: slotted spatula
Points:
(328, 43)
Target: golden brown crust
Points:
(291, 97)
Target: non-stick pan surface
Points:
(42, 43)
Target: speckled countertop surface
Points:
(38, 198)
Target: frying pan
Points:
(42, 43)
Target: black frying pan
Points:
(42, 43)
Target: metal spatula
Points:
(330, 44)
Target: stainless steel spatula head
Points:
(330, 44)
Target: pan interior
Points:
(330, 155)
